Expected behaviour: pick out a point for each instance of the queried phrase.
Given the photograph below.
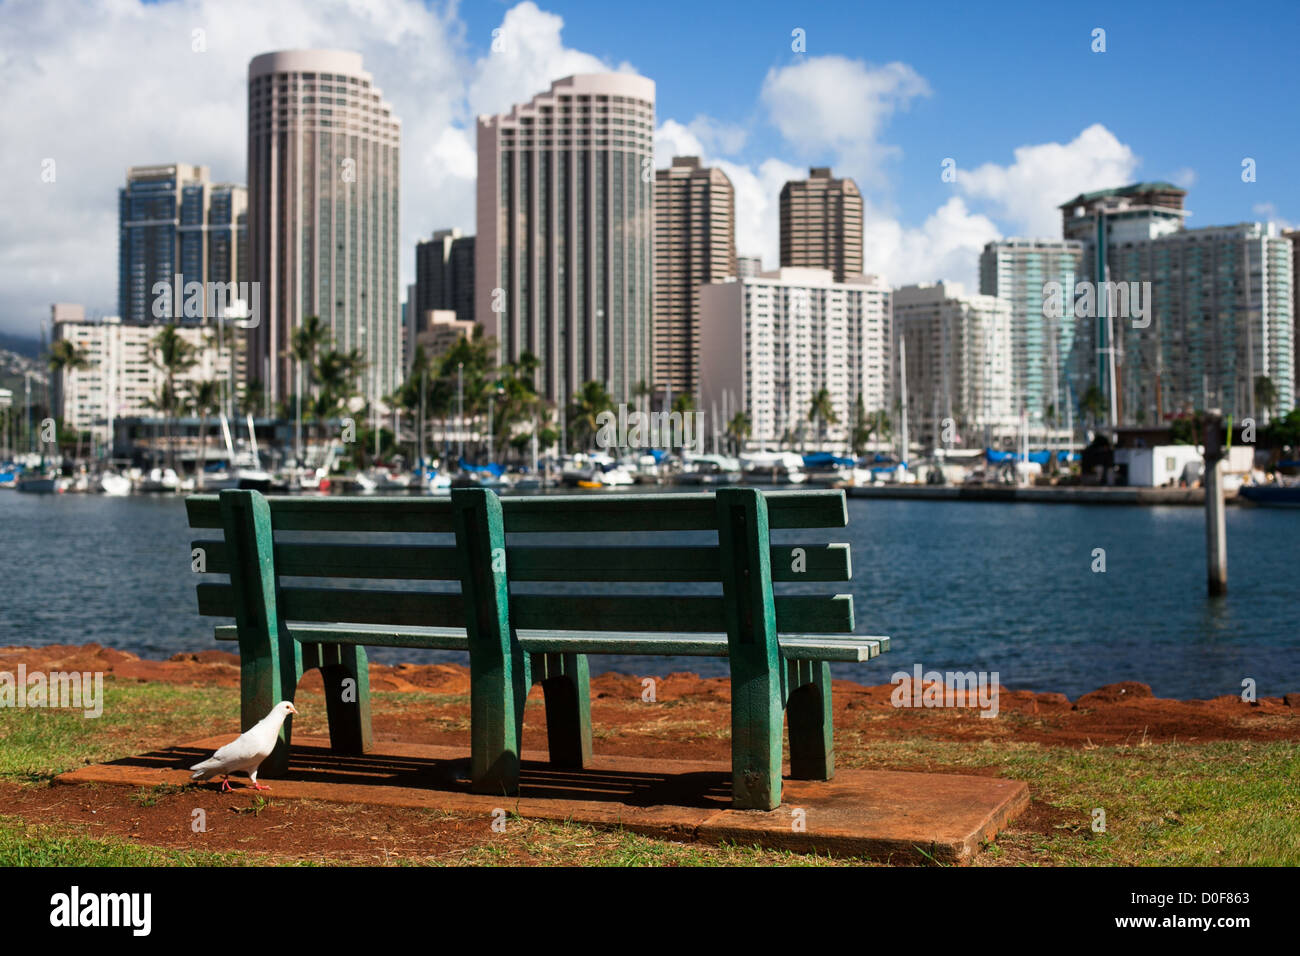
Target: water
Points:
(957, 585)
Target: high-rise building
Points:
(1294, 237)
(821, 224)
(173, 220)
(444, 276)
(1098, 220)
(323, 183)
(769, 343)
(748, 266)
(958, 362)
(1219, 317)
(563, 256)
(695, 243)
(120, 377)
(1018, 272)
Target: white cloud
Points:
(1184, 177)
(831, 104)
(99, 87)
(1267, 212)
(946, 246)
(1027, 194)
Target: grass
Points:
(1175, 804)
(25, 844)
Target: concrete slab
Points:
(883, 814)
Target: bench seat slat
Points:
(309, 513)
(793, 647)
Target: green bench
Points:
(779, 647)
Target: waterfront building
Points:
(1017, 271)
(958, 364)
(769, 343)
(821, 224)
(695, 243)
(563, 256)
(122, 377)
(323, 188)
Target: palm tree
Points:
(1092, 405)
(684, 403)
(822, 411)
(304, 345)
(738, 430)
(1265, 393)
(591, 400)
(205, 399)
(65, 357)
(642, 390)
(172, 355)
(862, 428)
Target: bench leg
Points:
(346, 674)
(808, 712)
(567, 689)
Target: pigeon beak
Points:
(293, 709)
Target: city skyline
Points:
(1012, 166)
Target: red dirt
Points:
(1115, 714)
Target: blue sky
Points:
(884, 92)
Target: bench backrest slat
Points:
(531, 559)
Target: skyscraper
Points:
(1099, 219)
(173, 220)
(821, 224)
(444, 276)
(695, 243)
(1016, 271)
(563, 253)
(323, 175)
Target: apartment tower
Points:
(821, 224)
(563, 257)
(695, 243)
(323, 183)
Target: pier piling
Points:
(1216, 537)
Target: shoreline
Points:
(1115, 713)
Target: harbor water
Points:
(958, 586)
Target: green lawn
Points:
(1165, 804)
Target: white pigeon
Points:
(246, 752)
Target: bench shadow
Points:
(538, 780)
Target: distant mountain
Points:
(29, 346)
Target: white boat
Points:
(115, 485)
(160, 480)
(773, 468)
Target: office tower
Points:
(748, 266)
(443, 328)
(1098, 219)
(173, 220)
(323, 183)
(444, 276)
(695, 243)
(821, 224)
(958, 363)
(1018, 272)
(563, 256)
(1219, 317)
(769, 343)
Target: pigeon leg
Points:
(256, 786)
(225, 784)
